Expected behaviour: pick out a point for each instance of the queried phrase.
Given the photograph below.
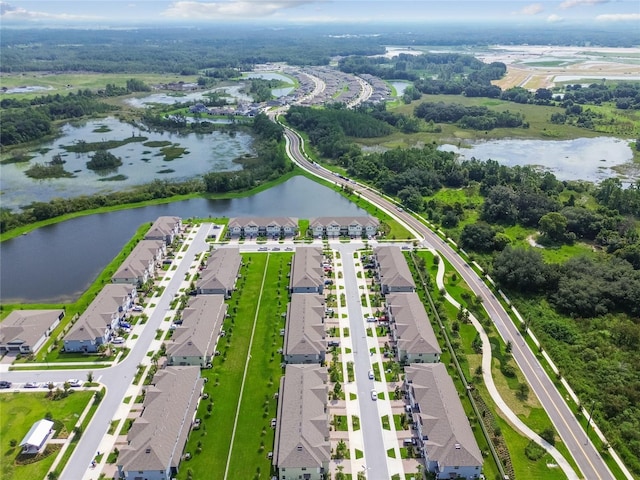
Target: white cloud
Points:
(619, 17)
(10, 12)
(232, 8)
(576, 3)
(532, 9)
(553, 18)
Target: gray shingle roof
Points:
(412, 324)
(306, 269)
(344, 221)
(27, 326)
(302, 432)
(162, 227)
(450, 438)
(221, 270)
(157, 438)
(201, 324)
(263, 222)
(305, 327)
(98, 315)
(138, 260)
(393, 268)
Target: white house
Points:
(254, 227)
(355, 227)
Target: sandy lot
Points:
(539, 66)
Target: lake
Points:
(591, 159)
(204, 152)
(58, 262)
(400, 86)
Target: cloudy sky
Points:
(317, 11)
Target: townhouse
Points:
(157, 438)
(165, 229)
(100, 320)
(220, 273)
(304, 340)
(354, 227)
(392, 271)
(307, 273)
(445, 436)
(411, 330)
(301, 447)
(140, 266)
(271, 227)
(194, 341)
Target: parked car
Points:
(289, 249)
(273, 423)
(263, 249)
(31, 385)
(371, 375)
(5, 384)
(196, 424)
(125, 324)
(138, 308)
(370, 319)
(374, 395)
(276, 249)
(74, 382)
(117, 340)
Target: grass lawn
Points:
(253, 437)
(19, 412)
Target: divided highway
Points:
(589, 460)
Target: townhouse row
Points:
(288, 227)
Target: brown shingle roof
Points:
(305, 328)
(412, 324)
(306, 269)
(394, 271)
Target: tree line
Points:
(472, 117)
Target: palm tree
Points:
(90, 377)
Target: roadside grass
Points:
(530, 412)
(19, 412)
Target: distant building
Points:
(194, 341)
(307, 274)
(157, 438)
(165, 229)
(301, 447)
(140, 265)
(304, 340)
(245, 227)
(25, 331)
(344, 226)
(446, 439)
(393, 271)
(221, 273)
(411, 330)
(100, 320)
(36, 438)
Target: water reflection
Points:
(57, 263)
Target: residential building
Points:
(221, 272)
(165, 229)
(393, 271)
(302, 449)
(307, 274)
(446, 439)
(101, 319)
(36, 438)
(411, 330)
(140, 266)
(355, 227)
(304, 339)
(194, 341)
(25, 331)
(253, 227)
(158, 436)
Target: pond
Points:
(142, 161)
(276, 92)
(400, 86)
(58, 262)
(233, 91)
(592, 159)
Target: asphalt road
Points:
(116, 379)
(589, 460)
(374, 450)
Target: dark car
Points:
(5, 384)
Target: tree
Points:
(521, 269)
(553, 226)
(477, 236)
(523, 391)
(90, 377)
(549, 434)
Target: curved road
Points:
(589, 460)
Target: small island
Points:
(103, 160)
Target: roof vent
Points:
(457, 445)
(148, 450)
(299, 448)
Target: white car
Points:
(117, 340)
(74, 382)
(374, 395)
(138, 308)
(371, 375)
